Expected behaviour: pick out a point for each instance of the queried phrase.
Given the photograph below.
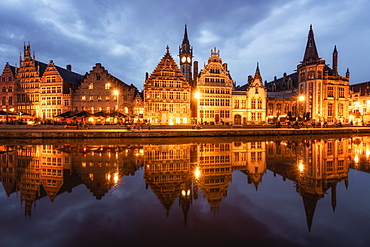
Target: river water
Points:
(286, 191)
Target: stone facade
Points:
(167, 94)
(7, 88)
(102, 92)
(214, 90)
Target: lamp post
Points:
(300, 100)
(116, 93)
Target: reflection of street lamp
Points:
(116, 93)
(197, 96)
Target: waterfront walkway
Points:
(113, 131)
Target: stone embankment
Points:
(68, 132)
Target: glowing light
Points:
(357, 159)
(197, 173)
(197, 95)
(115, 178)
(183, 193)
(300, 166)
(301, 98)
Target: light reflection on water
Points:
(218, 192)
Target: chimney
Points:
(195, 74)
(69, 67)
(146, 76)
(250, 79)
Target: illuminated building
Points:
(43, 89)
(249, 101)
(214, 87)
(326, 92)
(102, 92)
(359, 107)
(215, 166)
(167, 171)
(7, 88)
(56, 86)
(167, 94)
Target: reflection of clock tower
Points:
(186, 56)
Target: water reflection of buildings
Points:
(183, 172)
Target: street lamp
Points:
(300, 99)
(116, 93)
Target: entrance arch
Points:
(238, 120)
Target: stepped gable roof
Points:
(167, 63)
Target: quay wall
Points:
(52, 132)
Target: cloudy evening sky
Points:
(129, 37)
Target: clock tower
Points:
(186, 57)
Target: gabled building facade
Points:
(56, 86)
(167, 94)
(102, 92)
(7, 88)
(214, 92)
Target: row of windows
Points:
(176, 84)
(217, 80)
(7, 100)
(163, 155)
(167, 95)
(215, 159)
(7, 78)
(211, 147)
(99, 98)
(9, 90)
(51, 90)
(213, 113)
(50, 113)
(214, 102)
(256, 117)
(170, 107)
(51, 100)
(214, 90)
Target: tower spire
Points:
(311, 51)
(335, 61)
(257, 75)
(186, 39)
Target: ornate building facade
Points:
(101, 92)
(7, 86)
(167, 94)
(326, 93)
(214, 91)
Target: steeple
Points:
(311, 51)
(335, 61)
(257, 75)
(185, 40)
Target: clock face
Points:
(189, 59)
(183, 59)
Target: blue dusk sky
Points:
(130, 37)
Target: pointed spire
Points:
(257, 75)
(311, 51)
(186, 39)
(335, 61)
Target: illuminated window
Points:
(107, 85)
(91, 86)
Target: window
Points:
(259, 106)
(10, 89)
(83, 98)
(330, 109)
(98, 77)
(107, 85)
(330, 91)
(341, 92)
(91, 86)
(253, 104)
